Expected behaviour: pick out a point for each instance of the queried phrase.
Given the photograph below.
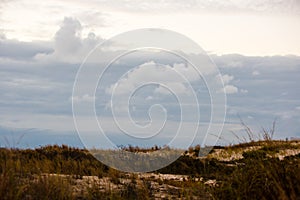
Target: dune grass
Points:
(60, 172)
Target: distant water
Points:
(32, 138)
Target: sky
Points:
(254, 45)
(273, 25)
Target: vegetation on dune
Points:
(51, 159)
(62, 172)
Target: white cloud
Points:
(227, 78)
(69, 45)
(67, 38)
(244, 91)
(230, 89)
(32, 86)
(151, 72)
(255, 73)
(84, 98)
(126, 15)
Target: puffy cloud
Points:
(155, 73)
(227, 78)
(67, 38)
(230, 89)
(43, 86)
(69, 46)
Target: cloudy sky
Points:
(255, 45)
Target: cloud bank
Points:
(37, 79)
